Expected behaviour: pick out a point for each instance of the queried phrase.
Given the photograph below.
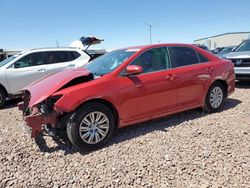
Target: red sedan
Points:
(125, 87)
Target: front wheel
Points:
(215, 97)
(2, 97)
(91, 126)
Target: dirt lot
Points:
(189, 149)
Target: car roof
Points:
(53, 49)
(144, 47)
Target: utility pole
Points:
(150, 32)
(57, 44)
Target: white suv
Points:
(20, 70)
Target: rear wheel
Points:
(215, 97)
(91, 126)
(2, 97)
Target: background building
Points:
(223, 40)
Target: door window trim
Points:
(66, 51)
(190, 64)
(122, 72)
(12, 66)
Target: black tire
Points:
(2, 97)
(209, 105)
(74, 124)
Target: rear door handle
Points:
(171, 77)
(210, 69)
(41, 70)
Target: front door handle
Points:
(41, 70)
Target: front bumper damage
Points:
(36, 120)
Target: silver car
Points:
(241, 60)
(20, 70)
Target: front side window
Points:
(56, 57)
(29, 60)
(153, 60)
(182, 56)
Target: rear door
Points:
(193, 72)
(25, 70)
(57, 61)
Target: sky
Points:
(40, 23)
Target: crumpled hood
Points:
(237, 55)
(42, 89)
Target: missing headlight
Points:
(46, 107)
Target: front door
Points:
(151, 93)
(25, 71)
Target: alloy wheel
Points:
(94, 127)
(216, 97)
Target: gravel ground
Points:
(189, 149)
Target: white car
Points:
(241, 60)
(20, 70)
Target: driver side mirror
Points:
(133, 70)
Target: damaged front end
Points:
(41, 115)
(40, 99)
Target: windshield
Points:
(244, 46)
(108, 62)
(4, 62)
(226, 50)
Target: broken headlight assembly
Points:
(47, 105)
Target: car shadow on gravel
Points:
(61, 144)
(130, 132)
(11, 104)
(243, 84)
(162, 124)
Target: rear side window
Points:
(33, 59)
(56, 57)
(73, 55)
(183, 56)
